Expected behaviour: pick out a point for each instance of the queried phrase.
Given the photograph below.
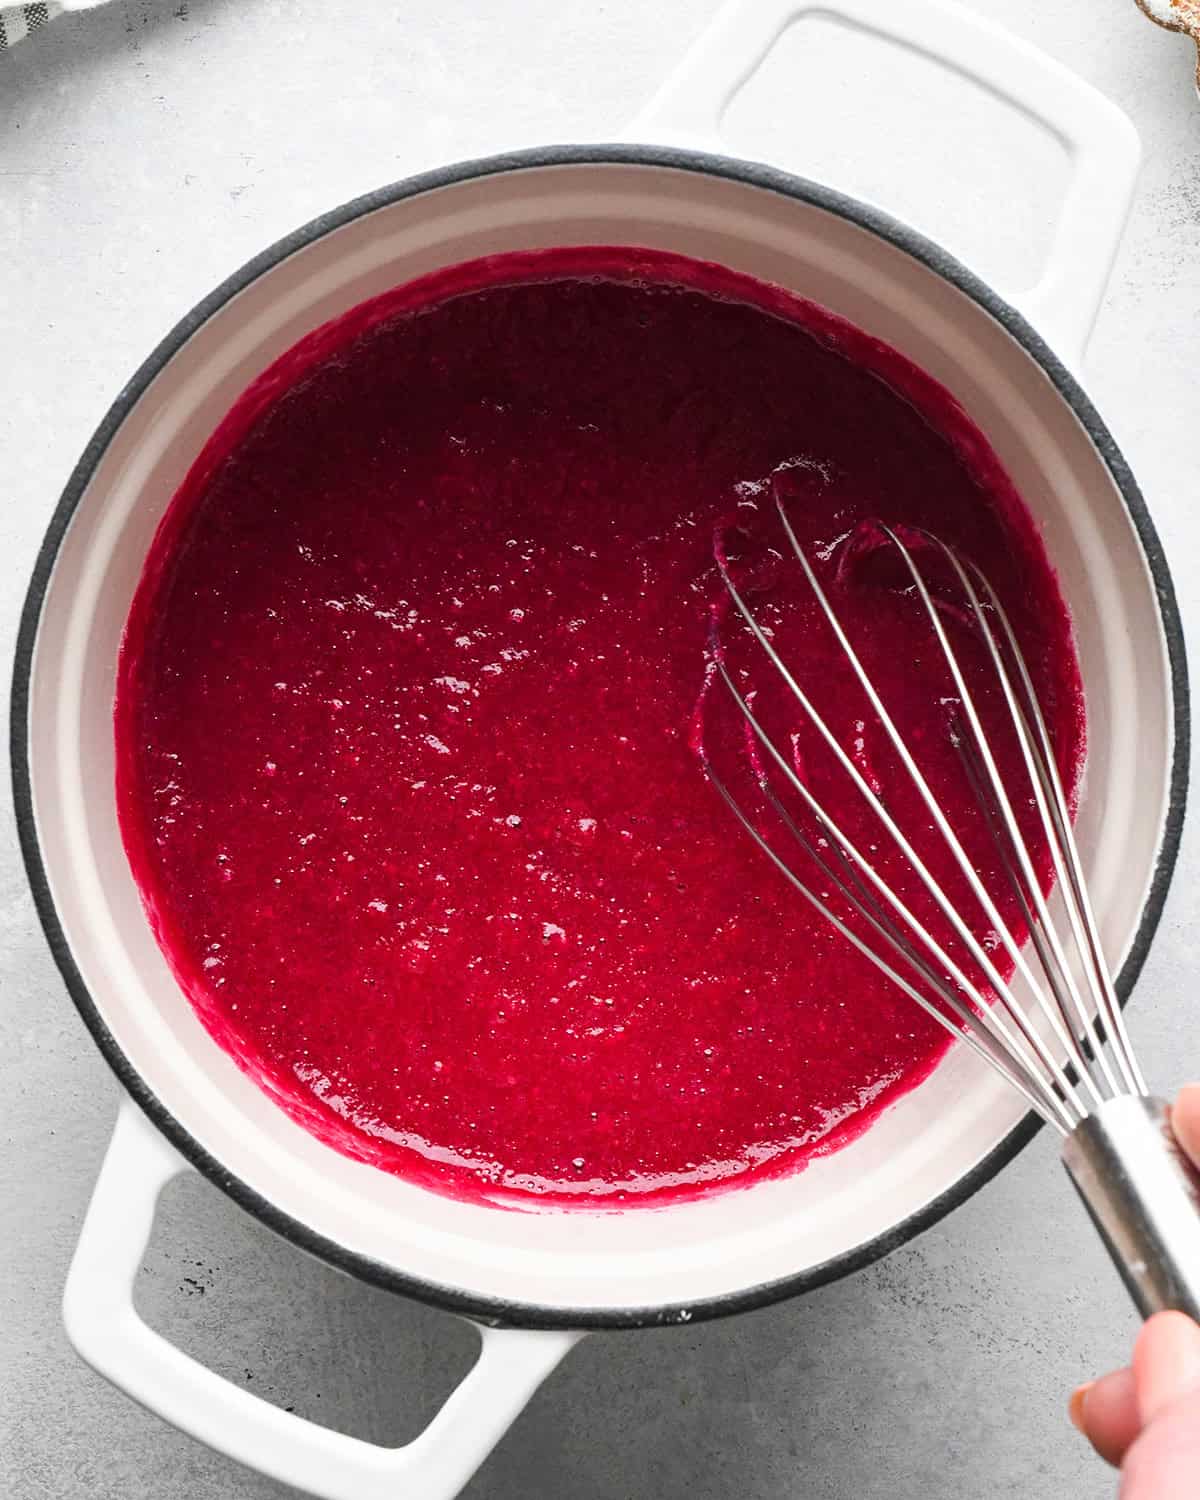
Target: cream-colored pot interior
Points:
(643, 1258)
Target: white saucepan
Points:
(535, 1282)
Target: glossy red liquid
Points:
(407, 702)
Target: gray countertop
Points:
(146, 150)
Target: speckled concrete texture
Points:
(146, 150)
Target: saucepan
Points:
(535, 1282)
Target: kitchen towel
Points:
(17, 21)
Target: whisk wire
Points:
(1058, 974)
(1042, 1058)
(990, 1030)
(942, 823)
(988, 1019)
(1061, 1088)
(1065, 854)
(1044, 1102)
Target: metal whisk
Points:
(1065, 1049)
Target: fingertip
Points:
(1166, 1362)
(1163, 1461)
(1185, 1120)
(1106, 1412)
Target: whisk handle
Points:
(1144, 1197)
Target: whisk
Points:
(1065, 1049)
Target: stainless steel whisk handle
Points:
(1144, 1197)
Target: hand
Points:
(1146, 1418)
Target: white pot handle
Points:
(1103, 145)
(106, 1330)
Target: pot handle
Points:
(105, 1328)
(1102, 143)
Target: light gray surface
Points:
(146, 150)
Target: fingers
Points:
(1147, 1419)
(1185, 1120)
(1164, 1461)
(1111, 1412)
(1166, 1362)
(1106, 1412)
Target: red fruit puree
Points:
(408, 707)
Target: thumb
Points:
(1166, 1362)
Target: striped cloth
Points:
(17, 21)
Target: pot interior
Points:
(665, 1257)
